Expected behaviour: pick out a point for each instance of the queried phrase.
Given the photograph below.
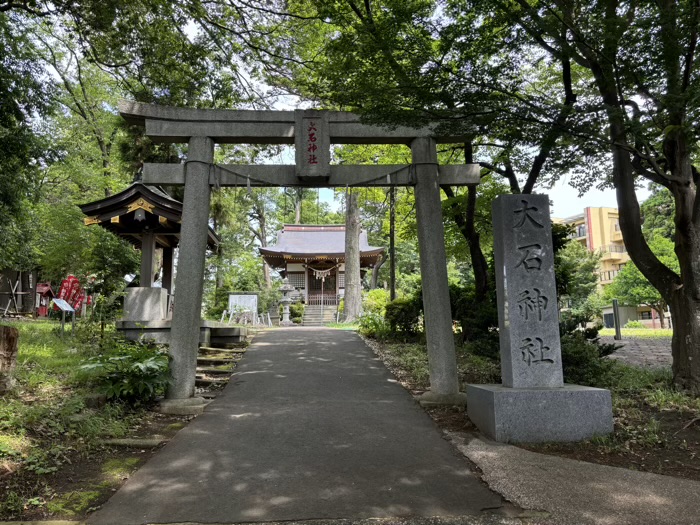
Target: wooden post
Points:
(9, 338)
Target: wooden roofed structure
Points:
(312, 257)
(148, 218)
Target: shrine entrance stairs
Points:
(317, 315)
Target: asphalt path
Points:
(311, 426)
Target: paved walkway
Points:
(644, 352)
(312, 426)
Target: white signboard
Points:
(243, 303)
(63, 305)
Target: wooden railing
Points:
(322, 299)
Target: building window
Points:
(341, 279)
(645, 316)
(581, 230)
(297, 280)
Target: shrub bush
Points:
(296, 312)
(634, 324)
(374, 326)
(131, 372)
(375, 301)
(404, 315)
(584, 362)
(478, 318)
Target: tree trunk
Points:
(375, 273)
(685, 312)
(660, 311)
(466, 225)
(353, 290)
(9, 338)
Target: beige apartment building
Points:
(598, 229)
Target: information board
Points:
(243, 303)
(63, 305)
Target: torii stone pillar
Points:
(444, 383)
(184, 342)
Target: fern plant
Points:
(131, 372)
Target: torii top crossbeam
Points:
(311, 131)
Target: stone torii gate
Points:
(312, 132)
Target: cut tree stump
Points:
(9, 338)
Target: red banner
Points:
(71, 292)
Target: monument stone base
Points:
(146, 304)
(159, 332)
(536, 415)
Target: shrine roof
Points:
(161, 215)
(297, 241)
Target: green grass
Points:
(343, 326)
(118, 469)
(73, 503)
(642, 333)
(44, 420)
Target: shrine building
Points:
(312, 258)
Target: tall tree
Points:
(641, 58)
(418, 62)
(24, 145)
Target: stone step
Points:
(230, 346)
(222, 360)
(217, 350)
(208, 370)
(217, 341)
(210, 381)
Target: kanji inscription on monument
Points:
(312, 142)
(527, 303)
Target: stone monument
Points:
(533, 404)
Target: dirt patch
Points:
(671, 446)
(85, 480)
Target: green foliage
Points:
(296, 312)
(477, 317)
(131, 372)
(584, 362)
(73, 503)
(635, 324)
(630, 287)
(657, 213)
(576, 273)
(23, 146)
(375, 301)
(375, 326)
(404, 315)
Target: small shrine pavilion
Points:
(312, 258)
(148, 218)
